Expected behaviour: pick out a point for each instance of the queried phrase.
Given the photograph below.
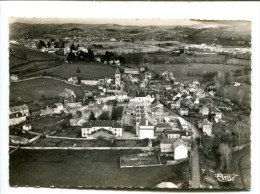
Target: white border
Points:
(164, 10)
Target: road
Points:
(195, 161)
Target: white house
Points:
(90, 82)
(131, 71)
(57, 108)
(110, 127)
(142, 99)
(146, 130)
(27, 127)
(148, 75)
(73, 80)
(204, 110)
(180, 150)
(13, 78)
(184, 111)
(207, 127)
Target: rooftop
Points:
(108, 123)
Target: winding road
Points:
(195, 161)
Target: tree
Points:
(242, 128)
(117, 113)
(104, 116)
(48, 44)
(78, 70)
(225, 151)
(71, 56)
(92, 117)
(72, 47)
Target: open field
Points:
(87, 71)
(180, 70)
(36, 88)
(84, 168)
(30, 54)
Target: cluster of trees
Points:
(79, 55)
(57, 44)
(117, 113)
(112, 56)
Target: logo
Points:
(225, 177)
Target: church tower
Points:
(118, 78)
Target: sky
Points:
(127, 22)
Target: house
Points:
(176, 133)
(166, 145)
(200, 93)
(180, 150)
(18, 114)
(14, 78)
(196, 101)
(161, 127)
(168, 87)
(131, 71)
(135, 79)
(108, 127)
(79, 121)
(23, 109)
(214, 111)
(27, 127)
(184, 111)
(204, 110)
(90, 82)
(164, 74)
(171, 77)
(141, 97)
(148, 75)
(73, 80)
(67, 95)
(196, 82)
(187, 103)
(206, 127)
(146, 129)
(156, 109)
(46, 111)
(57, 108)
(237, 84)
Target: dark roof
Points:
(108, 123)
(166, 125)
(181, 132)
(143, 123)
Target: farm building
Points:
(17, 114)
(73, 80)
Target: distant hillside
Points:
(225, 33)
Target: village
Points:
(156, 112)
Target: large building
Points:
(145, 129)
(102, 128)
